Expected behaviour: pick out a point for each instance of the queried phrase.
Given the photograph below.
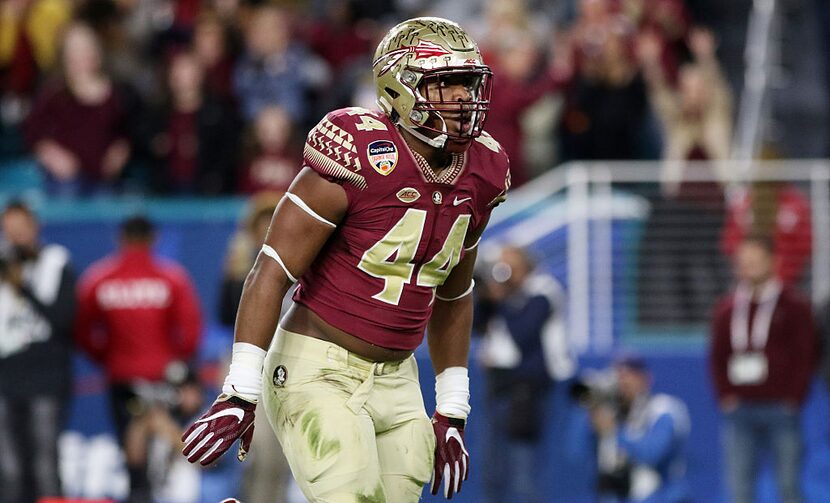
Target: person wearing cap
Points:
(644, 438)
(525, 349)
(137, 313)
(763, 356)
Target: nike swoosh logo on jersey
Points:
(456, 201)
(237, 413)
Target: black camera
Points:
(164, 394)
(596, 387)
(10, 256)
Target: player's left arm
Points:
(448, 337)
(448, 332)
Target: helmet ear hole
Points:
(394, 94)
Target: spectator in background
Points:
(781, 212)
(605, 103)
(678, 281)
(136, 315)
(213, 48)
(274, 70)
(267, 475)
(641, 441)
(521, 84)
(127, 32)
(697, 118)
(195, 134)
(28, 44)
(77, 127)
(668, 21)
(154, 439)
(763, 356)
(37, 307)
(271, 160)
(344, 42)
(337, 37)
(822, 318)
(525, 348)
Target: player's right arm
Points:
(296, 236)
(302, 223)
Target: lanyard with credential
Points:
(740, 336)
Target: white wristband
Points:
(452, 393)
(245, 376)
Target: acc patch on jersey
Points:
(383, 156)
(408, 195)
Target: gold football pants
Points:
(353, 431)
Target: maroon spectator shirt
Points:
(791, 350)
(85, 130)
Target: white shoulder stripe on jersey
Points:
(303, 206)
(466, 293)
(270, 252)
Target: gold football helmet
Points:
(413, 65)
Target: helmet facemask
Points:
(437, 102)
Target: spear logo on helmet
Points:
(423, 49)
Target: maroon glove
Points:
(452, 461)
(229, 418)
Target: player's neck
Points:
(437, 159)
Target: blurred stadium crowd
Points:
(213, 97)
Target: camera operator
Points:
(520, 311)
(641, 438)
(162, 412)
(36, 310)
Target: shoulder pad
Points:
(330, 149)
(499, 174)
(489, 142)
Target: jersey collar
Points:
(448, 177)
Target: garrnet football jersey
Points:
(404, 229)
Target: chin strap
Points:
(438, 142)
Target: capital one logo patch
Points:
(383, 156)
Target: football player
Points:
(380, 229)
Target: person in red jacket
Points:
(763, 357)
(137, 314)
